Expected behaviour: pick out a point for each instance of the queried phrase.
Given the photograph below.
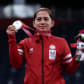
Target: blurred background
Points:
(68, 21)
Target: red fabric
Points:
(73, 45)
(81, 31)
(15, 59)
(33, 55)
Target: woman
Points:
(46, 56)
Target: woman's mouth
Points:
(42, 27)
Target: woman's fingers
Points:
(11, 29)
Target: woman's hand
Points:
(11, 30)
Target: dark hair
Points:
(44, 9)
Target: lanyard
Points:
(20, 25)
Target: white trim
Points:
(68, 56)
(20, 50)
(68, 61)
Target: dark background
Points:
(69, 19)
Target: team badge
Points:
(52, 52)
(31, 50)
(52, 47)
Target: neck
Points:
(44, 33)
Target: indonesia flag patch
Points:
(52, 52)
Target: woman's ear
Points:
(53, 23)
(33, 23)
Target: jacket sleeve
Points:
(16, 54)
(70, 65)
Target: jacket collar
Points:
(37, 35)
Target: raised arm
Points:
(15, 51)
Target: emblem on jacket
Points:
(52, 52)
(31, 50)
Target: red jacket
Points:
(46, 57)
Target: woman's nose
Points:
(43, 21)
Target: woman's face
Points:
(43, 21)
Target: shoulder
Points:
(57, 38)
(25, 40)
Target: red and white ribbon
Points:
(20, 25)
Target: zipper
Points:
(42, 60)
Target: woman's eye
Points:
(46, 18)
(38, 19)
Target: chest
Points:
(46, 48)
